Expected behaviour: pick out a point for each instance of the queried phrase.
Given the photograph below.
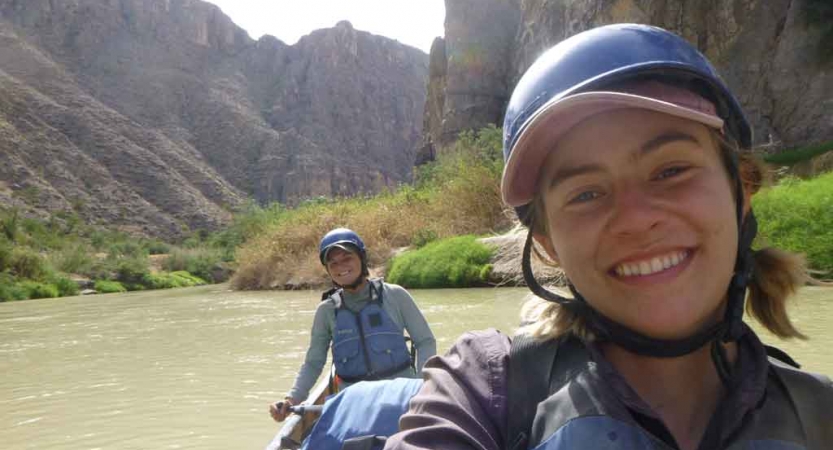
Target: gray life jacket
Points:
(558, 401)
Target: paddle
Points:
(303, 409)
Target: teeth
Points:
(654, 265)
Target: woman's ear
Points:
(545, 242)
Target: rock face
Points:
(767, 51)
(469, 70)
(162, 115)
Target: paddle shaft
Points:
(303, 409)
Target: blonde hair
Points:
(777, 275)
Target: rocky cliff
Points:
(768, 51)
(162, 115)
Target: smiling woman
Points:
(627, 158)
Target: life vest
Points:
(368, 344)
(561, 403)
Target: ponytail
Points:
(778, 275)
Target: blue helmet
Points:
(340, 237)
(603, 59)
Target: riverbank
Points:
(63, 257)
(411, 233)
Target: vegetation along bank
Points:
(447, 229)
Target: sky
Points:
(412, 22)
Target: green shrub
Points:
(36, 289)
(158, 281)
(188, 278)
(107, 287)
(10, 290)
(26, 263)
(155, 247)
(130, 271)
(199, 262)
(103, 269)
(9, 223)
(797, 215)
(127, 249)
(6, 249)
(178, 279)
(65, 286)
(456, 262)
(72, 259)
(423, 237)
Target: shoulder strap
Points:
(335, 294)
(530, 368)
(537, 369)
(377, 285)
(329, 293)
(780, 355)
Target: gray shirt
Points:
(397, 303)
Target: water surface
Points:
(197, 367)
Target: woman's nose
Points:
(635, 211)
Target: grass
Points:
(455, 262)
(172, 280)
(797, 215)
(109, 287)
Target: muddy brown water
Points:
(197, 367)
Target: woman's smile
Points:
(651, 266)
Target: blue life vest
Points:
(366, 412)
(368, 345)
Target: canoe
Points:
(296, 427)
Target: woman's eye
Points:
(585, 197)
(670, 172)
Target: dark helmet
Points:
(343, 238)
(604, 59)
(623, 66)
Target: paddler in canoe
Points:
(364, 319)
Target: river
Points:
(197, 367)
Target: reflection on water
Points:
(197, 367)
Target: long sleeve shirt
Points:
(397, 303)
